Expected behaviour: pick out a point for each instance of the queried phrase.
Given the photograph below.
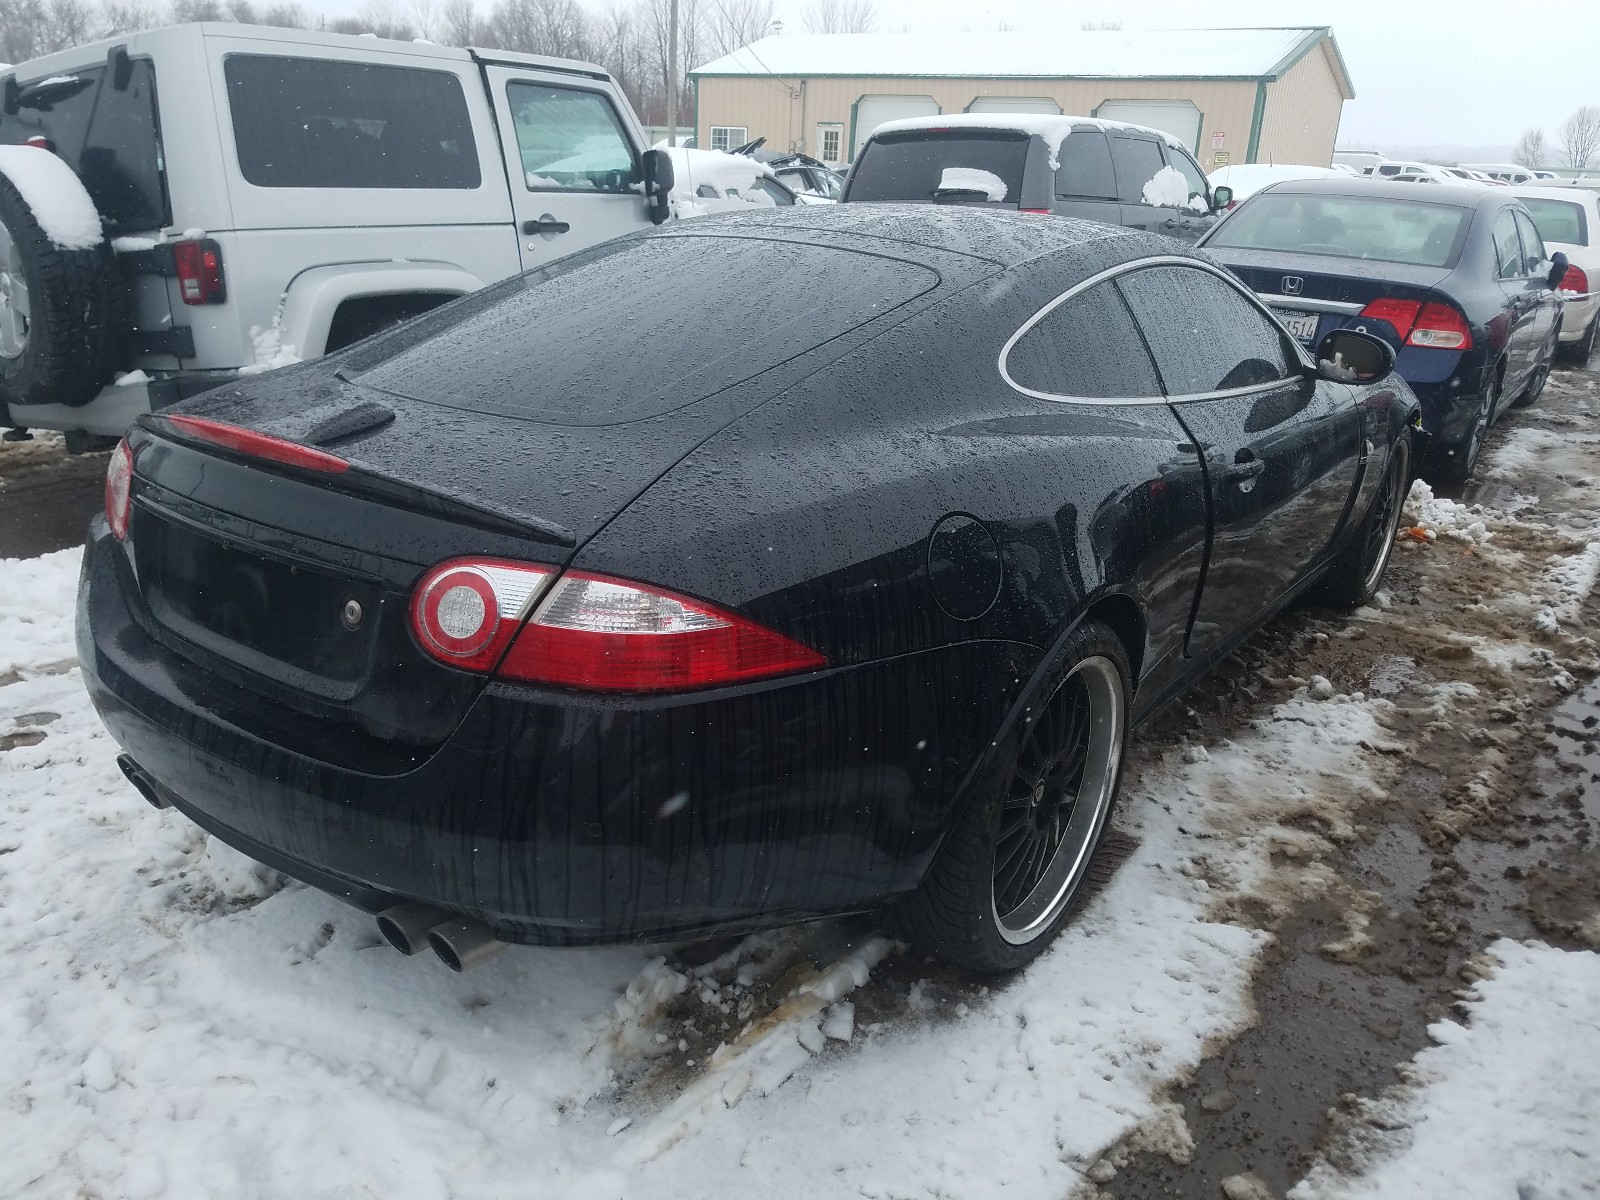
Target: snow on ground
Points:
(54, 194)
(176, 1021)
(35, 593)
(1506, 1105)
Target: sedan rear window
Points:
(1559, 220)
(1366, 227)
(913, 166)
(642, 327)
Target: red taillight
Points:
(1432, 325)
(39, 142)
(1575, 280)
(1441, 327)
(1402, 314)
(1043, 212)
(199, 264)
(119, 489)
(591, 631)
(259, 445)
(466, 612)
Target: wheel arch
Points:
(315, 296)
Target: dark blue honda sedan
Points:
(1455, 278)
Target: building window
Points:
(830, 142)
(726, 137)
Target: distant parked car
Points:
(1568, 219)
(1456, 279)
(1361, 160)
(712, 181)
(1247, 179)
(1504, 172)
(1066, 166)
(808, 176)
(784, 602)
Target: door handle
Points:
(1244, 468)
(545, 224)
(1172, 223)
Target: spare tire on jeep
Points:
(63, 305)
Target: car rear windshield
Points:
(913, 166)
(1366, 227)
(109, 136)
(643, 327)
(315, 123)
(1559, 220)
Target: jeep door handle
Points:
(545, 224)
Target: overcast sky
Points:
(1426, 72)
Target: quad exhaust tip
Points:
(460, 942)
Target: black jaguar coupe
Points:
(730, 575)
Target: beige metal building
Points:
(1233, 95)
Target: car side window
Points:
(771, 193)
(1199, 197)
(1088, 347)
(1205, 336)
(1533, 253)
(1138, 162)
(1085, 171)
(570, 139)
(1507, 246)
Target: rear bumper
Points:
(1576, 317)
(1450, 405)
(116, 407)
(567, 819)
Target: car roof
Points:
(1571, 194)
(1349, 185)
(1004, 238)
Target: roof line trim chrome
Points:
(1125, 268)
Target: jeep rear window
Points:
(591, 341)
(314, 123)
(110, 138)
(911, 166)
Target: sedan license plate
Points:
(1302, 324)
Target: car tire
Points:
(1008, 875)
(63, 313)
(1541, 376)
(1357, 574)
(1458, 467)
(1580, 351)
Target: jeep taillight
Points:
(199, 264)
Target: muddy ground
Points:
(1483, 822)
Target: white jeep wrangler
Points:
(266, 195)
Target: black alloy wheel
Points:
(1357, 574)
(1007, 876)
(1458, 467)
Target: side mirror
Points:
(658, 181)
(1558, 269)
(1221, 197)
(1350, 356)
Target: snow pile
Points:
(1167, 188)
(971, 179)
(37, 598)
(1504, 1106)
(271, 352)
(54, 194)
(1437, 515)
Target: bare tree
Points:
(425, 15)
(1531, 149)
(839, 16)
(732, 24)
(460, 26)
(1580, 136)
(285, 16)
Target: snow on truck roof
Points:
(1053, 130)
(1083, 54)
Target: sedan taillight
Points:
(1432, 325)
(1575, 281)
(119, 489)
(591, 631)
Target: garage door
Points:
(1014, 104)
(1177, 117)
(872, 111)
